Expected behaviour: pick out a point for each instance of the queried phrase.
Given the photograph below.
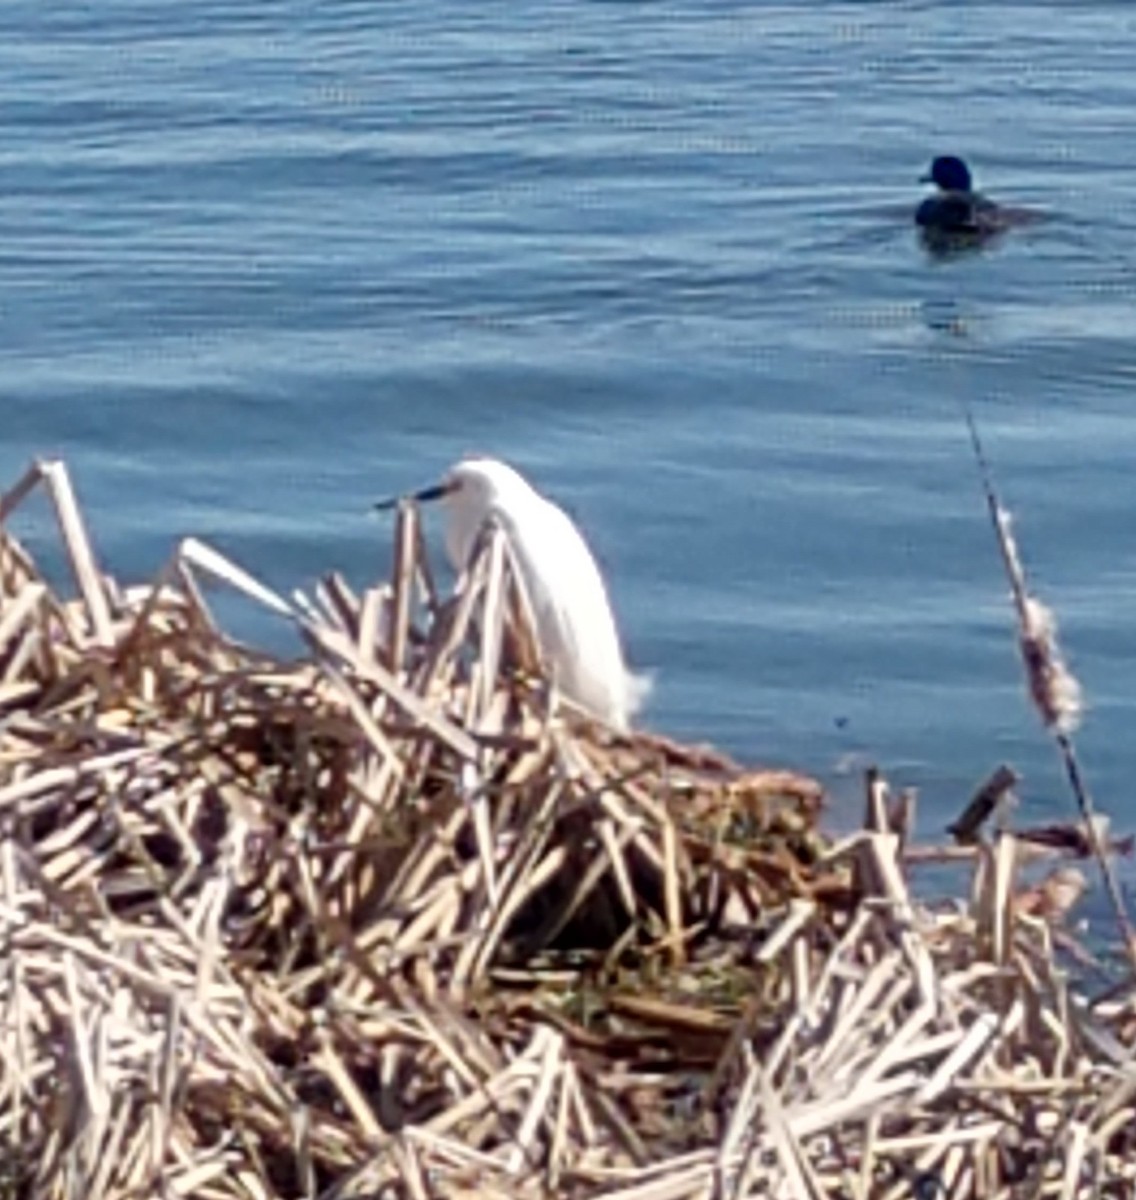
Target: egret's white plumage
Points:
(574, 622)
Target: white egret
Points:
(574, 622)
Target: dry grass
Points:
(389, 921)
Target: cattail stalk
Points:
(1053, 688)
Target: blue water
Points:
(262, 263)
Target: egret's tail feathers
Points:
(639, 687)
(617, 706)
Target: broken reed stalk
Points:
(1053, 688)
(986, 800)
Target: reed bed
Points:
(390, 920)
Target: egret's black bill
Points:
(928, 178)
(434, 492)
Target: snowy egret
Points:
(575, 626)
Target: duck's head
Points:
(949, 173)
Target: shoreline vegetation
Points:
(388, 920)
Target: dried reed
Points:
(381, 921)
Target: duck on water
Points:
(958, 211)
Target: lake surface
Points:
(262, 263)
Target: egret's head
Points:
(479, 484)
(473, 483)
(949, 173)
(470, 491)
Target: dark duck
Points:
(956, 209)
